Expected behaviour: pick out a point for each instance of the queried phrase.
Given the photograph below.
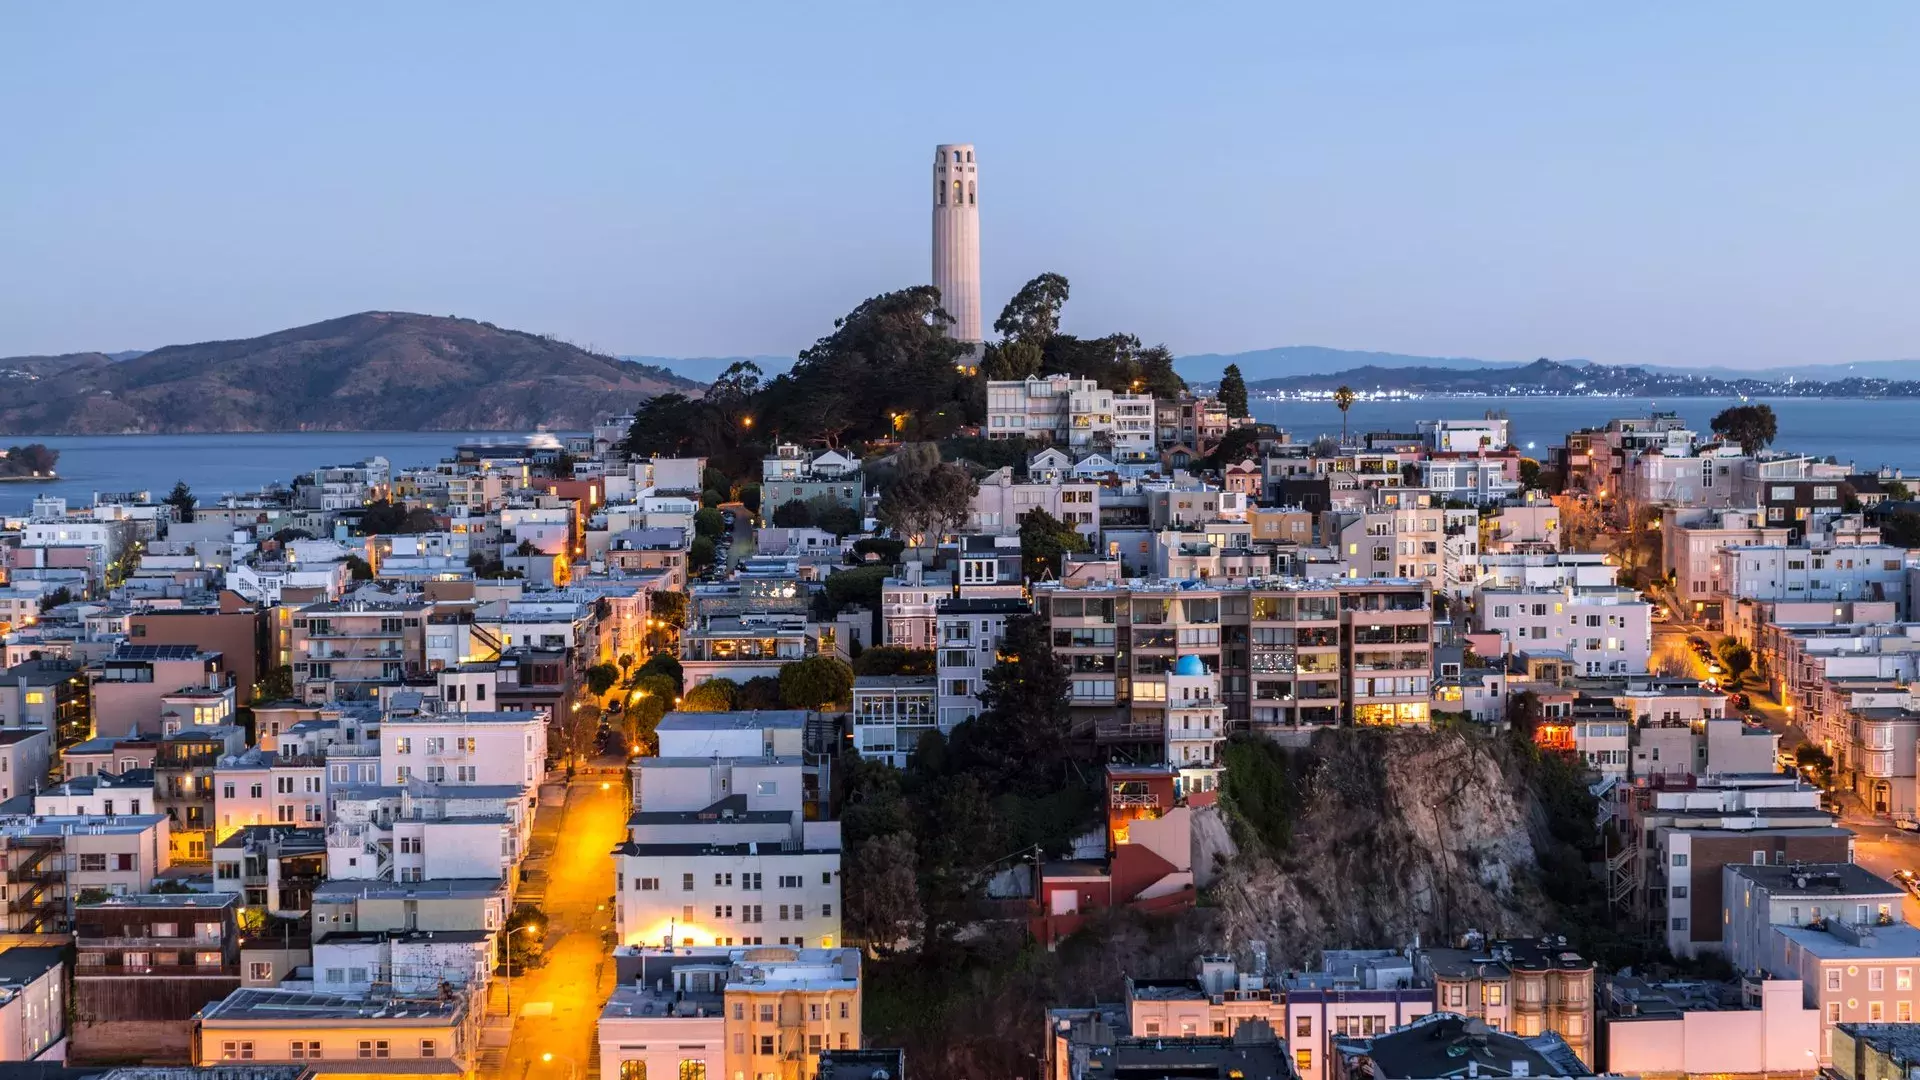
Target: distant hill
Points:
(375, 371)
(1289, 360)
(1552, 378)
(705, 369)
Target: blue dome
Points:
(1190, 665)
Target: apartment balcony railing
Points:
(113, 942)
(1126, 730)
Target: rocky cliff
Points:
(1390, 835)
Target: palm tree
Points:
(1343, 397)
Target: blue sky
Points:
(1704, 183)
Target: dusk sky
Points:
(1702, 183)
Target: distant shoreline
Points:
(47, 479)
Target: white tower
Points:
(956, 238)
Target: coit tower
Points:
(956, 238)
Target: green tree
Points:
(792, 514)
(182, 500)
(1530, 474)
(56, 598)
(861, 585)
(759, 692)
(648, 699)
(815, 682)
(701, 554)
(1752, 426)
(1019, 741)
(707, 522)
(930, 504)
(1044, 541)
(1735, 657)
(358, 568)
(836, 518)
(1033, 315)
(1237, 445)
(1233, 391)
(1343, 397)
(669, 606)
(601, 679)
(894, 660)
(1897, 491)
(714, 695)
(33, 459)
(1901, 528)
(883, 894)
(274, 684)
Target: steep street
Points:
(556, 1005)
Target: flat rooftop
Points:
(1897, 942)
(264, 1003)
(1817, 879)
(751, 720)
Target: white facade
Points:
(970, 636)
(499, 748)
(258, 788)
(1602, 631)
(1692, 541)
(890, 713)
(956, 238)
(1844, 572)
(1057, 409)
(1000, 502)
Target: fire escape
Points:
(34, 865)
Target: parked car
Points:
(1740, 701)
(1699, 643)
(1910, 825)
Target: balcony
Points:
(85, 941)
(1116, 730)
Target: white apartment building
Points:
(1692, 540)
(1489, 433)
(25, 756)
(425, 832)
(1602, 631)
(262, 787)
(1196, 726)
(1000, 503)
(1058, 409)
(1776, 572)
(1568, 570)
(507, 749)
(33, 1003)
(971, 630)
(907, 605)
(1707, 478)
(696, 1013)
(891, 712)
(719, 850)
(413, 962)
(1480, 481)
(1133, 429)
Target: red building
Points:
(1149, 857)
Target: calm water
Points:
(1868, 433)
(213, 465)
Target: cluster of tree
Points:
(1901, 527)
(1044, 541)
(1031, 344)
(819, 512)
(889, 371)
(383, 518)
(913, 878)
(921, 496)
(894, 660)
(812, 683)
(1735, 657)
(1752, 426)
(33, 459)
(490, 567)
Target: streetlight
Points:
(509, 939)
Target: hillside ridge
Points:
(370, 371)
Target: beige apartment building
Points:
(1293, 655)
(345, 651)
(742, 1012)
(1524, 987)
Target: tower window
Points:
(956, 193)
(969, 194)
(969, 157)
(939, 193)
